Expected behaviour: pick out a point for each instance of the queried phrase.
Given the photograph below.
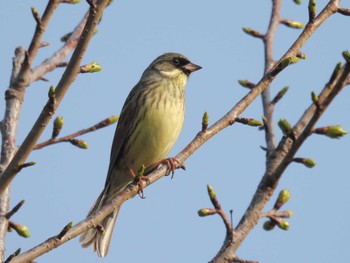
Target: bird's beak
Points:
(190, 67)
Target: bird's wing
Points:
(124, 127)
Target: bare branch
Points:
(67, 138)
(14, 254)
(36, 16)
(46, 114)
(14, 210)
(344, 11)
(57, 59)
(277, 160)
(65, 230)
(269, 63)
(23, 78)
(14, 98)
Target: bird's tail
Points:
(100, 238)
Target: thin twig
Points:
(57, 59)
(64, 230)
(14, 209)
(14, 254)
(269, 63)
(67, 138)
(239, 260)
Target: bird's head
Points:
(174, 65)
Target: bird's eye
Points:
(175, 61)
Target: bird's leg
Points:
(171, 163)
(138, 180)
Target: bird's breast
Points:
(160, 126)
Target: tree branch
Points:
(67, 138)
(14, 98)
(269, 63)
(47, 112)
(57, 58)
(277, 161)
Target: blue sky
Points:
(165, 227)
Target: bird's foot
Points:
(138, 180)
(171, 163)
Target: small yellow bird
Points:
(148, 127)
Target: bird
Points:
(148, 127)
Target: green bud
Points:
(284, 225)
(312, 9)
(336, 72)
(346, 56)
(58, 122)
(283, 64)
(79, 143)
(268, 225)
(34, 13)
(246, 84)
(293, 60)
(285, 126)
(247, 30)
(283, 91)
(309, 162)
(52, 93)
(314, 98)
(205, 121)
(22, 230)
(254, 123)
(334, 132)
(65, 37)
(305, 161)
(280, 95)
(57, 126)
(289, 213)
(298, 2)
(211, 192)
(106, 122)
(292, 24)
(282, 198)
(113, 119)
(206, 212)
(90, 68)
(66, 228)
(252, 32)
